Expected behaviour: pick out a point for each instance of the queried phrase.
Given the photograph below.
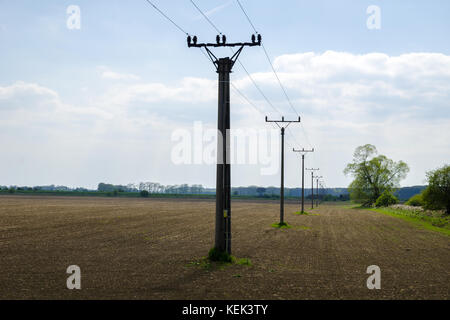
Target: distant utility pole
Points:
(303, 151)
(223, 177)
(317, 190)
(322, 186)
(312, 185)
(282, 161)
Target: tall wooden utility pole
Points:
(282, 162)
(312, 185)
(223, 176)
(317, 189)
(303, 151)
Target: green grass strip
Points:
(413, 219)
(281, 226)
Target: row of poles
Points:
(224, 67)
(283, 124)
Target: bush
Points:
(437, 196)
(144, 193)
(415, 201)
(386, 199)
(11, 190)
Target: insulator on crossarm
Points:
(194, 40)
(224, 39)
(218, 39)
(259, 38)
(189, 39)
(253, 38)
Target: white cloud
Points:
(399, 103)
(190, 90)
(108, 74)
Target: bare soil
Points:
(148, 249)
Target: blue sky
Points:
(124, 50)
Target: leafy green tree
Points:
(437, 194)
(373, 174)
(386, 199)
(415, 201)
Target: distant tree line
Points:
(327, 194)
(154, 187)
(52, 187)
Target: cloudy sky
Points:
(103, 103)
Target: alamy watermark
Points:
(247, 147)
(74, 280)
(374, 20)
(374, 280)
(74, 19)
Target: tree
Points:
(437, 194)
(373, 174)
(416, 200)
(386, 199)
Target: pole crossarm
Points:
(216, 45)
(303, 150)
(283, 121)
(222, 42)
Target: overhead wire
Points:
(206, 17)
(167, 17)
(276, 75)
(242, 65)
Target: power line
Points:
(276, 75)
(242, 8)
(242, 65)
(245, 98)
(244, 68)
(259, 89)
(268, 59)
(206, 17)
(165, 16)
(279, 81)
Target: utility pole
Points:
(322, 185)
(312, 185)
(223, 177)
(322, 191)
(303, 151)
(282, 161)
(317, 189)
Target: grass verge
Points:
(301, 213)
(283, 225)
(208, 264)
(420, 219)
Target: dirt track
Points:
(142, 249)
